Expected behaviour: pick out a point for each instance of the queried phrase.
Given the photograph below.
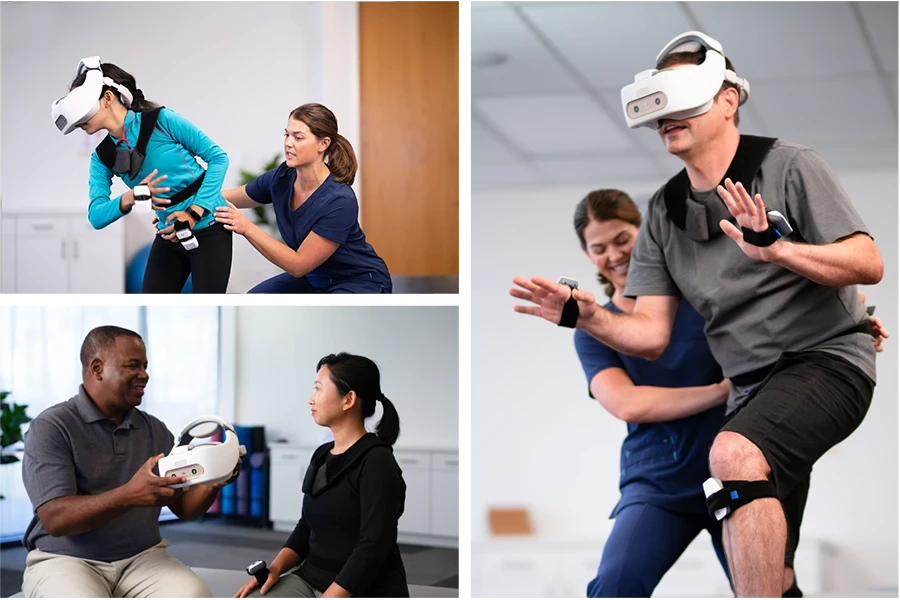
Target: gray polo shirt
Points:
(756, 310)
(71, 448)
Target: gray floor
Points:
(216, 545)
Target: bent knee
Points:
(734, 457)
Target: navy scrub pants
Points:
(285, 283)
(645, 542)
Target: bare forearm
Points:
(71, 515)
(649, 404)
(238, 196)
(278, 253)
(336, 591)
(286, 560)
(633, 334)
(851, 261)
(196, 501)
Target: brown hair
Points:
(605, 205)
(339, 155)
(696, 58)
(123, 78)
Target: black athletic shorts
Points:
(808, 403)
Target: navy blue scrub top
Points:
(331, 212)
(664, 464)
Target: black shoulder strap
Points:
(148, 122)
(106, 151)
(751, 152)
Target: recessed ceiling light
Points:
(488, 59)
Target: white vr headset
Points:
(208, 463)
(681, 92)
(82, 103)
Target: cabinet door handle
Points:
(76, 249)
(62, 249)
(451, 463)
(408, 461)
(42, 227)
(288, 456)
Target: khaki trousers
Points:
(149, 574)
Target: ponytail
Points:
(123, 78)
(388, 428)
(341, 160)
(141, 104)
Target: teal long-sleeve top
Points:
(174, 143)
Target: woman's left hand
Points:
(233, 219)
(169, 232)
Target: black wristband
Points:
(193, 214)
(569, 317)
(760, 238)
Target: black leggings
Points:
(210, 264)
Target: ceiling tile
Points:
(880, 21)
(598, 172)
(528, 66)
(553, 124)
(491, 177)
(480, 4)
(599, 39)
(488, 150)
(786, 39)
(822, 111)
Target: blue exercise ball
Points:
(134, 273)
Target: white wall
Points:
(416, 349)
(235, 69)
(540, 442)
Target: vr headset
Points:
(208, 463)
(680, 92)
(82, 103)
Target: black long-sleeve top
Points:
(347, 532)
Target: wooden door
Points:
(409, 122)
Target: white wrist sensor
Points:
(142, 198)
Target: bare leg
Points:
(755, 534)
(788, 579)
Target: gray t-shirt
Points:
(756, 310)
(72, 448)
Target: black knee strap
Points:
(735, 494)
(569, 316)
(793, 591)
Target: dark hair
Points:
(605, 205)
(696, 58)
(339, 156)
(124, 78)
(360, 374)
(100, 339)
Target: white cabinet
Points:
(62, 254)
(7, 254)
(445, 494)
(287, 466)
(416, 467)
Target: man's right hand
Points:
(550, 297)
(274, 575)
(147, 489)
